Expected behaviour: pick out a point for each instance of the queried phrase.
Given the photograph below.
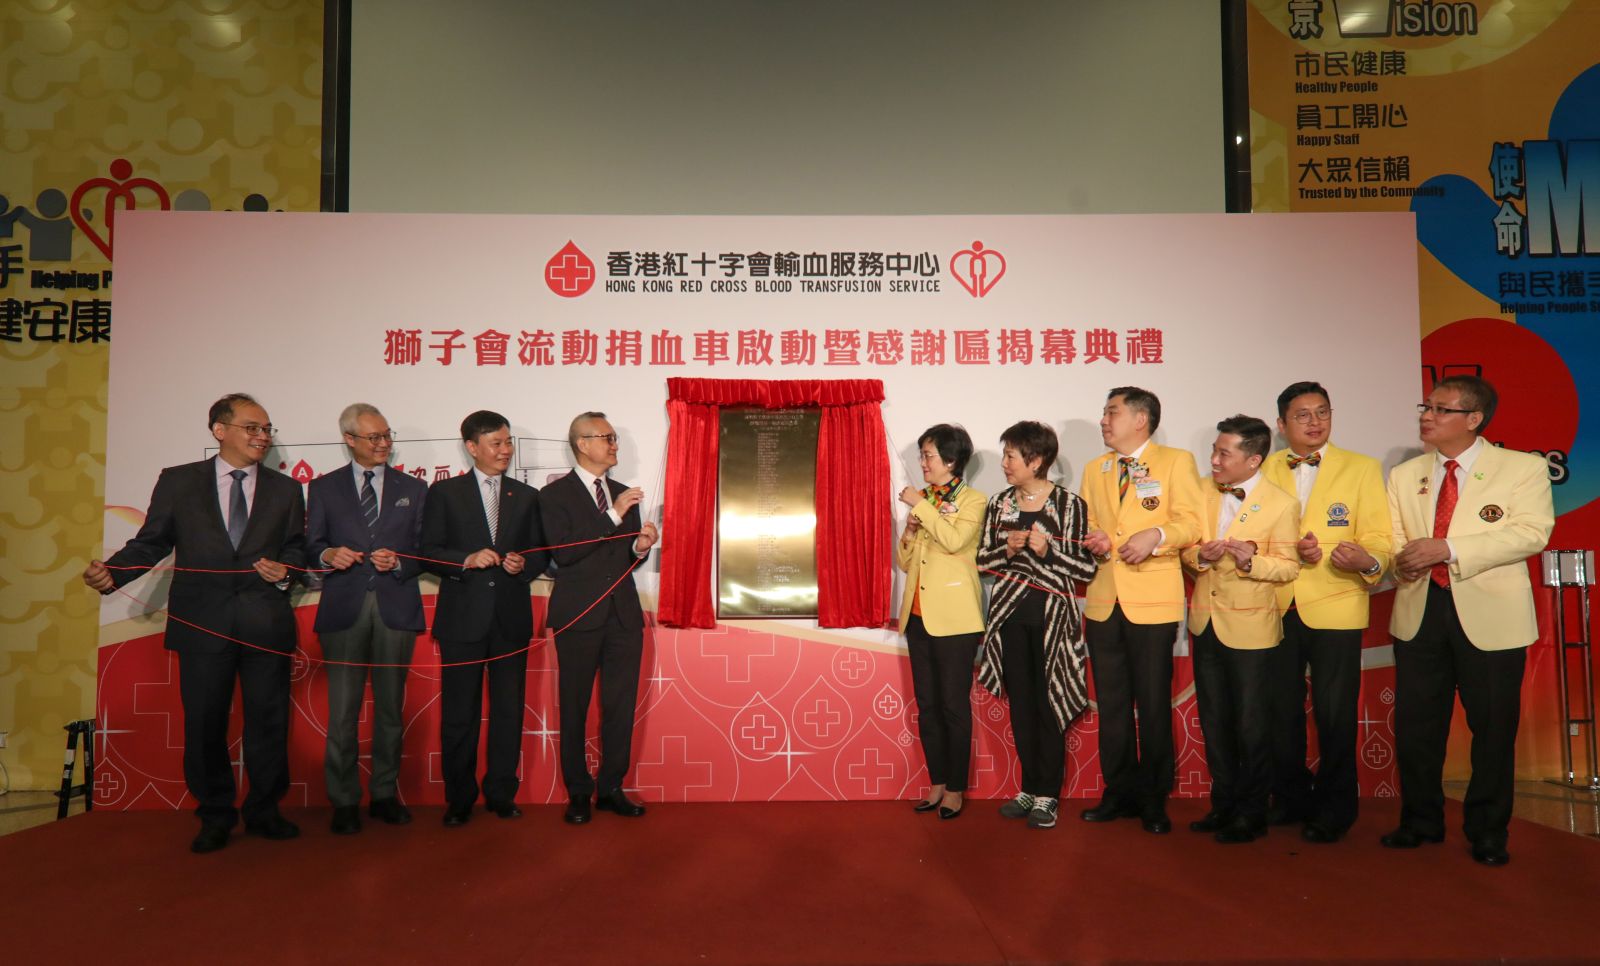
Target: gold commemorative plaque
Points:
(767, 513)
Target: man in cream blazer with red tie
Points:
(1466, 518)
(1343, 551)
(1245, 554)
(1144, 506)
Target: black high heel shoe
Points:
(949, 813)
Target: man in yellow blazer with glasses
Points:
(1466, 518)
(1245, 554)
(1144, 506)
(1344, 549)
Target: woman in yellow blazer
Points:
(942, 612)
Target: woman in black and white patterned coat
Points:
(1033, 650)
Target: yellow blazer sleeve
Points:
(956, 531)
(1530, 516)
(1374, 531)
(903, 552)
(1276, 561)
(1184, 526)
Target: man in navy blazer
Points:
(482, 536)
(362, 518)
(595, 613)
(236, 527)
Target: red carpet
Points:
(784, 883)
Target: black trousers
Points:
(1429, 671)
(205, 685)
(461, 691)
(1132, 668)
(1041, 744)
(1333, 657)
(941, 680)
(614, 652)
(1231, 689)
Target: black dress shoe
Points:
(619, 803)
(1321, 833)
(577, 812)
(1490, 851)
(456, 815)
(949, 813)
(503, 809)
(346, 819)
(273, 827)
(1154, 820)
(1240, 830)
(210, 839)
(922, 806)
(389, 811)
(1408, 838)
(1109, 810)
(1281, 814)
(1211, 823)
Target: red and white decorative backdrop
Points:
(977, 320)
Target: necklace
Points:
(1034, 496)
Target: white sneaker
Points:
(1018, 807)
(1043, 814)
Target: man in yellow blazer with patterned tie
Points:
(1345, 548)
(1246, 553)
(1144, 506)
(1466, 518)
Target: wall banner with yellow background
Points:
(1482, 118)
(111, 105)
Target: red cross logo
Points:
(569, 273)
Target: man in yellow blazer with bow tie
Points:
(1248, 551)
(1144, 506)
(1466, 518)
(1343, 551)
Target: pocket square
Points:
(403, 501)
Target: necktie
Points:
(600, 495)
(493, 507)
(1237, 492)
(238, 513)
(1314, 459)
(1441, 518)
(369, 505)
(1124, 477)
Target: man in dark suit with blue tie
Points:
(236, 528)
(364, 524)
(478, 530)
(594, 522)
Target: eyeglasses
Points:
(1441, 410)
(255, 429)
(610, 438)
(1307, 415)
(374, 438)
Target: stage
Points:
(786, 883)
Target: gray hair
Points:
(575, 430)
(353, 412)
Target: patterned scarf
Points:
(938, 493)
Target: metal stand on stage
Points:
(1574, 570)
(68, 790)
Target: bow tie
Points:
(1314, 459)
(1237, 492)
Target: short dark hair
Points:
(1254, 436)
(482, 423)
(1295, 391)
(1030, 439)
(953, 444)
(1142, 400)
(222, 409)
(1476, 392)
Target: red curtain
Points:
(855, 530)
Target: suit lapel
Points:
(1213, 506)
(1325, 470)
(258, 508)
(213, 510)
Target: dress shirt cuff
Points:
(611, 512)
(1452, 557)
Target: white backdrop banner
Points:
(981, 321)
